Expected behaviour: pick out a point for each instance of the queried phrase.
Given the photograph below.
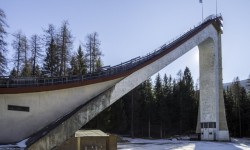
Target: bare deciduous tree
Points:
(36, 51)
(3, 43)
(93, 51)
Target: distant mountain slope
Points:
(242, 83)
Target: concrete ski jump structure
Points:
(47, 111)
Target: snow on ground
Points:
(174, 144)
(18, 146)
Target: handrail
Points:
(12, 82)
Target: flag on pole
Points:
(200, 1)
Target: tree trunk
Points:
(132, 115)
(149, 128)
(161, 130)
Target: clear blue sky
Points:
(132, 28)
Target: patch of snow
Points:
(19, 145)
(174, 144)
(22, 143)
(184, 138)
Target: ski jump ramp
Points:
(47, 111)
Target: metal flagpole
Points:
(216, 7)
(201, 9)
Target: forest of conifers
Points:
(169, 107)
(160, 108)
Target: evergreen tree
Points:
(78, 63)
(237, 106)
(175, 107)
(118, 119)
(248, 86)
(158, 87)
(112, 119)
(81, 61)
(167, 111)
(180, 101)
(74, 66)
(245, 113)
(49, 34)
(3, 43)
(50, 66)
(148, 100)
(51, 60)
(13, 72)
(229, 107)
(158, 96)
(37, 72)
(98, 64)
(185, 102)
(190, 104)
(26, 71)
(236, 91)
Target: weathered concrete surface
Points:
(61, 133)
(223, 128)
(210, 88)
(212, 109)
(45, 107)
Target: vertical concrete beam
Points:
(213, 124)
(223, 134)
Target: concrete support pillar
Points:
(212, 119)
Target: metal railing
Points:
(11, 82)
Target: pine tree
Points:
(158, 95)
(175, 106)
(26, 71)
(51, 65)
(179, 98)
(248, 86)
(237, 105)
(37, 72)
(98, 64)
(51, 60)
(229, 106)
(245, 113)
(166, 104)
(13, 72)
(3, 43)
(190, 104)
(81, 61)
(158, 87)
(118, 119)
(148, 111)
(236, 89)
(74, 66)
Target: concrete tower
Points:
(212, 123)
